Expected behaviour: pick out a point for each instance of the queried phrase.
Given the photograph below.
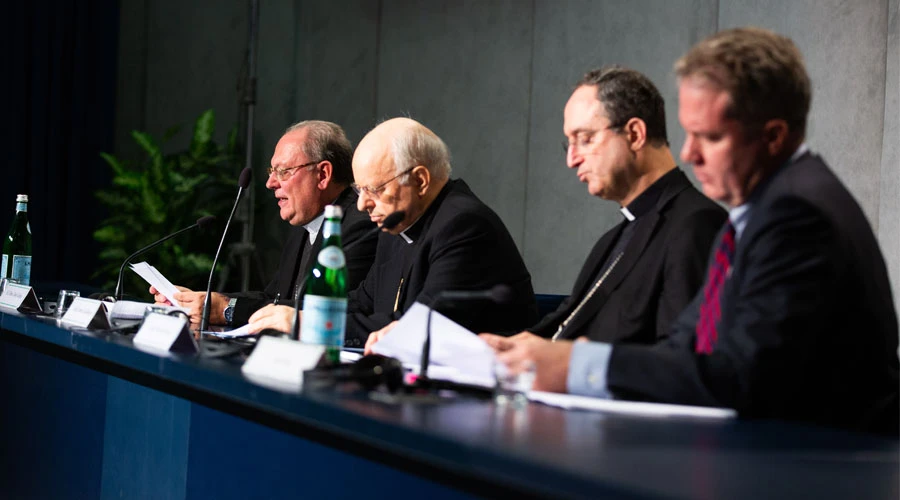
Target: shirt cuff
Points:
(587, 369)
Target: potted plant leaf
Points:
(160, 195)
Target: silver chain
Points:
(587, 297)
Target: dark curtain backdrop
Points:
(58, 86)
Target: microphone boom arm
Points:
(204, 317)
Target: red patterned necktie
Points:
(710, 310)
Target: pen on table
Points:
(277, 298)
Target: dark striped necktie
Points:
(710, 310)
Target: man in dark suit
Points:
(644, 271)
(311, 168)
(796, 319)
(447, 240)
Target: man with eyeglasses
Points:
(796, 318)
(645, 270)
(311, 168)
(448, 240)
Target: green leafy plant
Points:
(162, 194)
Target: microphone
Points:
(243, 182)
(498, 294)
(389, 222)
(202, 223)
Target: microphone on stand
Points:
(389, 222)
(243, 182)
(202, 223)
(498, 294)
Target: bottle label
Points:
(331, 227)
(332, 258)
(21, 269)
(3, 266)
(324, 320)
(21, 207)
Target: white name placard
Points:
(86, 313)
(16, 296)
(161, 332)
(279, 362)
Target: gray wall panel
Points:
(889, 213)
(564, 221)
(194, 59)
(492, 77)
(844, 47)
(462, 69)
(335, 60)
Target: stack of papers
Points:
(457, 354)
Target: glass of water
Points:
(66, 297)
(512, 387)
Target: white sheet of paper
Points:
(456, 353)
(350, 357)
(573, 402)
(157, 280)
(237, 332)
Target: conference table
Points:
(86, 414)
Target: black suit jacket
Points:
(459, 244)
(808, 329)
(661, 269)
(354, 226)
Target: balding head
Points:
(400, 165)
(310, 168)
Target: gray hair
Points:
(327, 141)
(419, 146)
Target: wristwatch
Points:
(229, 311)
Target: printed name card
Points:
(161, 332)
(19, 297)
(279, 362)
(86, 313)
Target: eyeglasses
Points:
(584, 140)
(283, 173)
(375, 192)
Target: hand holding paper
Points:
(156, 280)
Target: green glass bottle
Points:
(324, 318)
(16, 263)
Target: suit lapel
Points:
(596, 258)
(645, 228)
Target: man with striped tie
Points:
(796, 318)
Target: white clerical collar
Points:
(627, 213)
(800, 152)
(314, 226)
(405, 236)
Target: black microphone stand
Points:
(201, 222)
(500, 294)
(242, 184)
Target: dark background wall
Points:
(490, 77)
(58, 95)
